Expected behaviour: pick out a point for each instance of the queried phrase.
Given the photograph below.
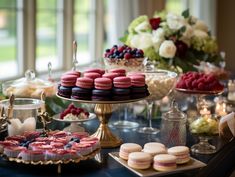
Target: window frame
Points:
(26, 36)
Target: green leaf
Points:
(183, 29)
(185, 66)
(185, 13)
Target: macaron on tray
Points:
(49, 148)
(154, 158)
(96, 85)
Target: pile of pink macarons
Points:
(95, 84)
(154, 155)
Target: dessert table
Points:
(102, 165)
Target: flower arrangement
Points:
(175, 42)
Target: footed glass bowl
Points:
(204, 128)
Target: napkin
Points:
(227, 126)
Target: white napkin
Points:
(18, 128)
(229, 119)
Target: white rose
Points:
(200, 34)
(167, 49)
(175, 22)
(201, 25)
(142, 41)
(158, 38)
(142, 27)
(156, 46)
(158, 35)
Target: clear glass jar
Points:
(173, 127)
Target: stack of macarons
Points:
(154, 154)
(68, 81)
(100, 86)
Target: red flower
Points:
(155, 22)
(181, 48)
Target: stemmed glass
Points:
(160, 83)
(204, 127)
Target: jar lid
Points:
(30, 80)
(28, 86)
(174, 114)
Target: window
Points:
(175, 6)
(49, 17)
(9, 9)
(82, 27)
(36, 32)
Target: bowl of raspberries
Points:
(195, 82)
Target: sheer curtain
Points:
(122, 12)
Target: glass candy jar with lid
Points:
(173, 127)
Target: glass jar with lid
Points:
(173, 127)
(29, 87)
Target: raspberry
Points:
(74, 111)
(201, 86)
(194, 84)
(67, 111)
(71, 106)
(127, 56)
(62, 115)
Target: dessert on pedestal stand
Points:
(74, 124)
(103, 110)
(205, 125)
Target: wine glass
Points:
(160, 83)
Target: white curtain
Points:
(206, 11)
(121, 13)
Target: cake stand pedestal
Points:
(103, 110)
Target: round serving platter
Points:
(51, 162)
(102, 102)
(212, 92)
(57, 118)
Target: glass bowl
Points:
(29, 87)
(160, 83)
(24, 108)
(204, 127)
(133, 64)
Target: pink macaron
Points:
(120, 72)
(95, 70)
(110, 75)
(137, 81)
(103, 83)
(68, 80)
(92, 75)
(122, 82)
(85, 82)
(135, 74)
(76, 73)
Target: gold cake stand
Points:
(103, 110)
